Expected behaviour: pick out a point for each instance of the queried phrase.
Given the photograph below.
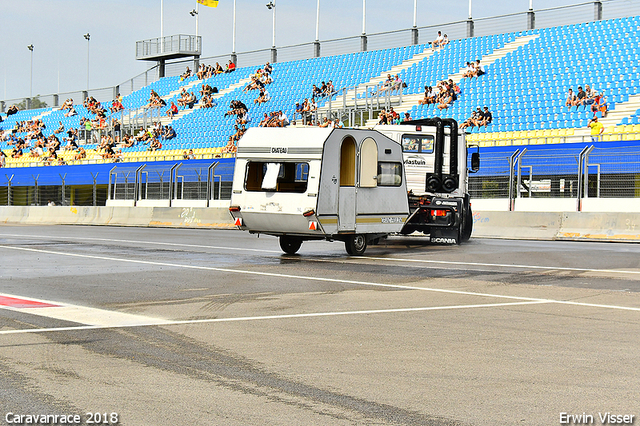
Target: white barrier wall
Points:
(596, 226)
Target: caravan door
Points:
(347, 191)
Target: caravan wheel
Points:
(290, 245)
(356, 244)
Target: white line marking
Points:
(160, 243)
(267, 317)
(504, 265)
(80, 314)
(458, 264)
(334, 280)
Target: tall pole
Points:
(415, 13)
(87, 36)
(274, 24)
(318, 21)
(197, 18)
(234, 27)
(470, 9)
(364, 14)
(162, 26)
(30, 47)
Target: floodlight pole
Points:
(316, 44)
(30, 47)
(234, 57)
(87, 36)
(363, 37)
(414, 30)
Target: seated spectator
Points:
(168, 133)
(80, 154)
(268, 68)
(581, 96)
(243, 118)
(154, 145)
(470, 71)
(13, 109)
(298, 110)
(438, 41)
(186, 74)
(265, 121)
(3, 159)
(262, 97)
(471, 121)
(479, 68)
(283, 119)
(116, 105)
(398, 84)
(231, 67)
(71, 112)
(67, 104)
(207, 101)
(445, 40)
(571, 99)
(172, 111)
(189, 155)
(407, 117)
(60, 128)
(599, 105)
(202, 71)
(315, 91)
(230, 147)
(487, 117)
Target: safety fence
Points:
(97, 185)
(575, 171)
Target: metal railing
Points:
(542, 18)
(574, 172)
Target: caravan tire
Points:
(356, 244)
(290, 245)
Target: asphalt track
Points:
(212, 327)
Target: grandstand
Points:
(528, 74)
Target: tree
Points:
(35, 103)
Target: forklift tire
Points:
(290, 245)
(356, 244)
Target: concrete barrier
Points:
(217, 217)
(579, 226)
(486, 224)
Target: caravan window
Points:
(389, 174)
(417, 143)
(269, 176)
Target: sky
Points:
(56, 27)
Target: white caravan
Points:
(319, 183)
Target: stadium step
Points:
(408, 101)
(626, 109)
(406, 64)
(235, 86)
(497, 54)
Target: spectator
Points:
(596, 129)
(231, 67)
(479, 69)
(13, 109)
(445, 40)
(581, 96)
(3, 159)
(173, 110)
(116, 105)
(571, 99)
(315, 91)
(168, 133)
(218, 69)
(407, 117)
(268, 68)
(186, 74)
(230, 147)
(438, 41)
(487, 117)
(599, 105)
(262, 97)
(60, 128)
(299, 111)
